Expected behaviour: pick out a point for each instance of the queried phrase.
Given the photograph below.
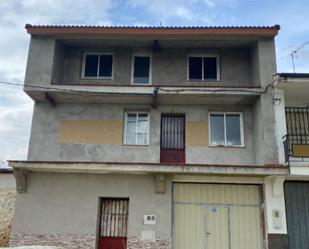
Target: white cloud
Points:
(184, 13)
(16, 106)
(193, 12)
(210, 3)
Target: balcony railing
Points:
(296, 147)
(296, 142)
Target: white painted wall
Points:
(274, 195)
(280, 122)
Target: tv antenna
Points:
(294, 53)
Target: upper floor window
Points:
(203, 67)
(141, 69)
(97, 65)
(226, 129)
(136, 130)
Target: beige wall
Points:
(90, 131)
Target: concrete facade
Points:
(169, 67)
(240, 65)
(69, 164)
(54, 194)
(45, 145)
(291, 91)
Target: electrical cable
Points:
(262, 91)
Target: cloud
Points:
(210, 3)
(191, 12)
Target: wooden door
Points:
(172, 138)
(113, 223)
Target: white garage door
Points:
(216, 216)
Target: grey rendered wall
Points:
(264, 115)
(40, 61)
(169, 66)
(44, 143)
(68, 203)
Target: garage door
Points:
(216, 216)
(297, 209)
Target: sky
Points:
(16, 107)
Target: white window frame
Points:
(212, 55)
(125, 128)
(241, 120)
(145, 54)
(97, 77)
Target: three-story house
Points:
(151, 137)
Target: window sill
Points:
(141, 84)
(204, 81)
(138, 145)
(97, 78)
(227, 146)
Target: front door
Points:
(172, 138)
(113, 223)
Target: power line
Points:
(158, 88)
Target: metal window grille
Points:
(114, 219)
(172, 132)
(297, 120)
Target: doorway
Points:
(172, 145)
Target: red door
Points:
(113, 223)
(172, 138)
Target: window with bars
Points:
(114, 217)
(297, 120)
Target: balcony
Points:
(296, 142)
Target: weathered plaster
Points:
(44, 144)
(72, 200)
(90, 131)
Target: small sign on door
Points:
(213, 210)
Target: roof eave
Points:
(268, 31)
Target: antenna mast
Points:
(295, 51)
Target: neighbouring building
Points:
(7, 203)
(291, 101)
(151, 137)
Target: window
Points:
(97, 65)
(226, 129)
(141, 69)
(203, 67)
(136, 128)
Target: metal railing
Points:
(291, 140)
(297, 123)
